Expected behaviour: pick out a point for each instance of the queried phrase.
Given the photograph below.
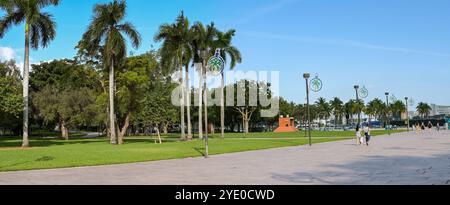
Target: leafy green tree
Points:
(64, 94)
(39, 30)
(106, 34)
(64, 74)
(250, 105)
(11, 103)
(156, 107)
(132, 84)
(69, 107)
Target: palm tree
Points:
(358, 106)
(203, 41)
(337, 106)
(6, 5)
(227, 49)
(39, 30)
(370, 110)
(423, 109)
(376, 107)
(398, 107)
(108, 27)
(175, 52)
(348, 110)
(324, 109)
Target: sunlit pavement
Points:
(405, 158)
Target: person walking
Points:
(430, 126)
(367, 134)
(358, 135)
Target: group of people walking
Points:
(363, 139)
(420, 127)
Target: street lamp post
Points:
(306, 76)
(407, 114)
(387, 112)
(357, 101)
(304, 120)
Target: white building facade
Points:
(439, 110)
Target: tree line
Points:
(105, 87)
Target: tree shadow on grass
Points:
(36, 143)
(399, 170)
(40, 159)
(200, 150)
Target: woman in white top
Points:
(358, 135)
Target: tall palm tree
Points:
(188, 56)
(324, 109)
(398, 107)
(348, 110)
(203, 42)
(228, 51)
(337, 105)
(423, 109)
(175, 52)
(108, 27)
(377, 107)
(370, 110)
(358, 106)
(40, 29)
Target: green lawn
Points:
(55, 153)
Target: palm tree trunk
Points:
(200, 102)
(206, 106)
(183, 125)
(206, 103)
(222, 108)
(112, 126)
(188, 103)
(25, 142)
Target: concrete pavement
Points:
(399, 159)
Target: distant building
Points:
(439, 110)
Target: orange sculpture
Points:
(286, 124)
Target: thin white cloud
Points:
(277, 5)
(7, 53)
(342, 42)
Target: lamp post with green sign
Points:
(215, 65)
(357, 101)
(314, 85)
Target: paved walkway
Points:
(406, 158)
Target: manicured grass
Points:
(54, 153)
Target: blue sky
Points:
(400, 46)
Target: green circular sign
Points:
(393, 98)
(363, 92)
(316, 84)
(216, 64)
